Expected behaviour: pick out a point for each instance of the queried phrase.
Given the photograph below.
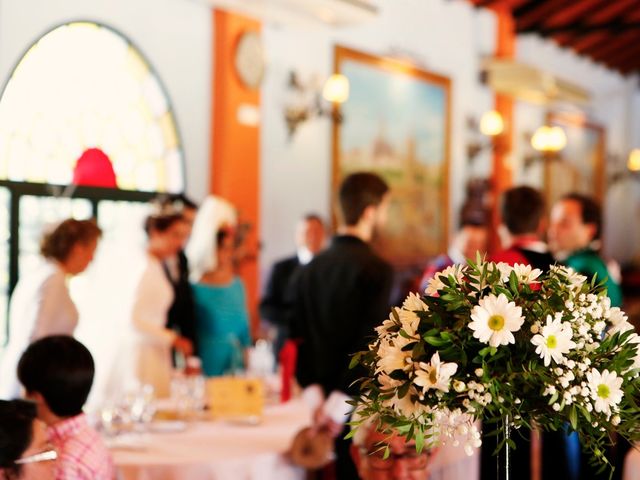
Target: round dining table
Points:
(215, 450)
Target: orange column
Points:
(235, 148)
(502, 173)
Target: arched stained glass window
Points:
(83, 86)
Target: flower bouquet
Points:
(509, 346)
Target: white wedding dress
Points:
(146, 356)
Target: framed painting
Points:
(396, 123)
(580, 166)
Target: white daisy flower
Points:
(436, 374)
(388, 383)
(383, 330)
(436, 282)
(573, 278)
(409, 321)
(526, 273)
(413, 303)
(619, 322)
(391, 356)
(494, 320)
(605, 390)
(554, 341)
(405, 406)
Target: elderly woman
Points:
(25, 453)
(41, 304)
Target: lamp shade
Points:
(336, 89)
(549, 139)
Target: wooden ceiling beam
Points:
(530, 18)
(579, 28)
(622, 55)
(588, 41)
(626, 59)
(616, 44)
(573, 14)
(613, 10)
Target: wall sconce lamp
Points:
(309, 100)
(491, 125)
(547, 141)
(631, 171)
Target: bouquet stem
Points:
(503, 460)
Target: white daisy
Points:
(406, 406)
(573, 278)
(388, 383)
(436, 282)
(383, 330)
(392, 357)
(494, 320)
(526, 273)
(436, 374)
(409, 321)
(414, 304)
(605, 390)
(619, 322)
(554, 341)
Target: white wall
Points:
(615, 106)
(174, 35)
(445, 37)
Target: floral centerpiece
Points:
(509, 345)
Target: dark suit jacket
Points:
(181, 315)
(340, 297)
(277, 301)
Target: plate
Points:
(167, 426)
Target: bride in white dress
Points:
(151, 343)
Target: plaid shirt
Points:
(81, 453)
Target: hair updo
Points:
(58, 243)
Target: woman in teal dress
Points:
(222, 318)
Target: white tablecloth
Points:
(218, 450)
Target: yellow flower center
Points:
(433, 376)
(603, 391)
(552, 341)
(496, 322)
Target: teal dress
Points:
(588, 262)
(222, 326)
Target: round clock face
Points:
(249, 59)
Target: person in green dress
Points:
(574, 235)
(222, 317)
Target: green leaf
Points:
(436, 341)
(355, 360)
(419, 441)
(573, 417)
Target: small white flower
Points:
(535, 328)
(494, 320)
(554, 341)
(615, 420)
(383, 330)
(406, 406)
(605, 389)
(436, 374)
(388, 383)
(556, 407)
(479, 372)
(436, 282)
(459, 386)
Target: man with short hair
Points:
(574, 237)
(523, 222)
(340, 297)
(57, 374)
(275, 306)
(403, 463)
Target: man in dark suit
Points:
(341, 296)
(276, 304)
(181, 317)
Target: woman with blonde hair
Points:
(41, 304)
